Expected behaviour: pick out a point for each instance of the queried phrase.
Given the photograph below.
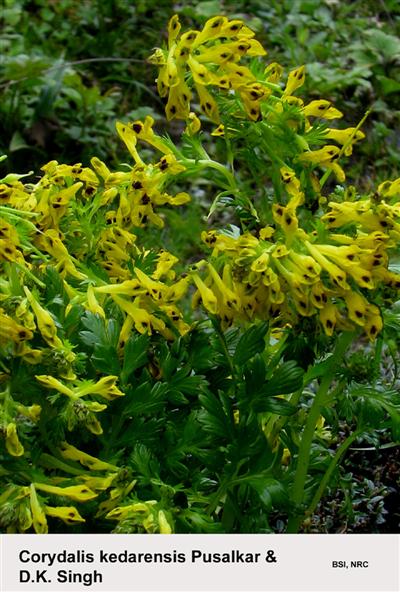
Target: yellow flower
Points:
(326, 158)
(92, 303)
(356, 306)
(67, 514)
(143, 320)
(13, 445)
(105, 387)
(389, 188)
(373, 324)
(164, 525)
(346, 137)
(193, 125)
(207, 296)
(128, 136)
(54, 383)
(210, 55)
(44, 321)
(322, 108)
(10, 330)
(329, 317)
(71, 453)
(78, 493)
(337, 274)
(32, 412)
(295, 80)
(38, 514)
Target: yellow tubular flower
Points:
(345, 256)
(105, 387)
(319, 295)
(322, 108)
(356, 306)
(273, 73)
(286, 217)
(193, 124)
(329, 316)
(348, 137)
(24, 515)
(71, 453)
(165, 262)
(164, 525)
(207, 296)
(67, 514)
(295, 80)
(44, 321)
(128, 136)
(140, 316)
(363, 277)
(207, 103)
(31, 356)
(125, 332)
(127, 288)
(154, 288)
(78, 493)
(92, 303)
(38, 514)
(292, 185)
(10, 330)
(100, 167)
(32, 412)
(337, 274)
(13, 445)
(229, 298)
(373, 324)
(322, 156)
(178, 106)
(98, 483)
(54, 383)
(177, 291)
(389, 188)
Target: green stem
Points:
(303, 459)
(208, 163)
(377, 357)
(29, 274)
(327, 173)
(221, 337)
(333, 464)
(50, 462)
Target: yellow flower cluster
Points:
(209, 58)
(24, 507)
(58, 212)
(285, 272)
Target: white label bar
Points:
(200, 563)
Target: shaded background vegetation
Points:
(69, 68)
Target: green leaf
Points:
(208, 8)
(270, 491)
(102, 337)
(386, 45)
(255, 375)
(286, 379)
(388, 85)
(251, 343)
(145, 399)
(135, 355)
(274, 405)
(144, 462)
(17, 142)
(213, 417)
